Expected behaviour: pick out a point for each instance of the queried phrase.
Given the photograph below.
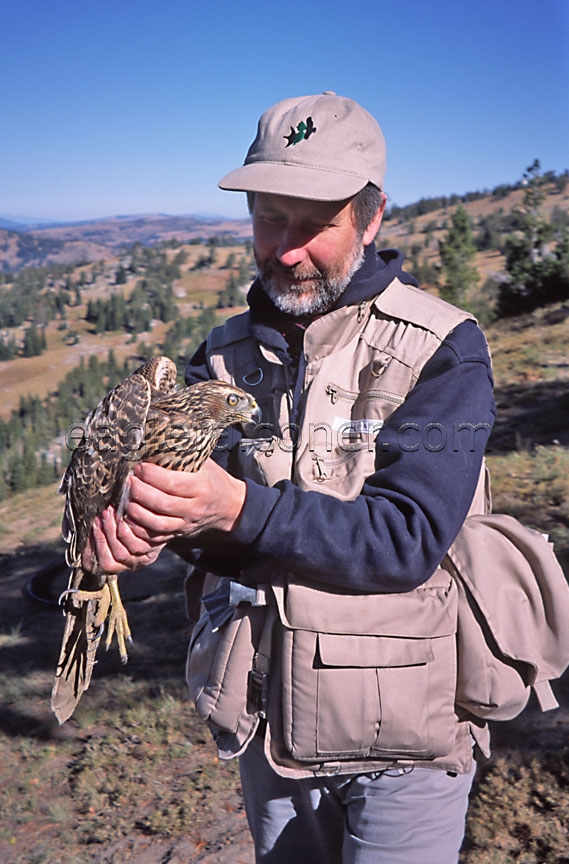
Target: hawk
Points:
(143, 418)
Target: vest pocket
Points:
(349, 695)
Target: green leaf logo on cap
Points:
(302, 132)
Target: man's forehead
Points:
(265, 201)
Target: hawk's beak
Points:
(251, 421)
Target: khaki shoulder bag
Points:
(513, 616)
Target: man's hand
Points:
(116, 547)
(165, 504)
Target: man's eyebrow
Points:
(268, 208)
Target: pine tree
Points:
(537, 275)
(34, 341)
(17, 475)
(101, 319)
(457, 252)
(244, 273)
(120, 277)
(3, 487)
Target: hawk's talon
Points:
(64, 594)
(98, 635)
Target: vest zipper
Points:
(361, 311)
(336, 393)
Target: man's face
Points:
(306, 251)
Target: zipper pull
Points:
(332, 393)
(319, 469)
(378, 367)
(361, 310)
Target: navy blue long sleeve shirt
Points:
(428, 457)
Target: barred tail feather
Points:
(81, 638)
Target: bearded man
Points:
(322, 537)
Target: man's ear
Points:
(374, 225)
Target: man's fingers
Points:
(88, 557)
(147, 526)
(118, 548)
(165, 503)
(104, 547)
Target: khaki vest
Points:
(361, 363)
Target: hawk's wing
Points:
(103, 459)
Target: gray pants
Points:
(389, 817)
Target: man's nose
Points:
(291, 248)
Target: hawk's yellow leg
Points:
(118, 621)
(109, 604)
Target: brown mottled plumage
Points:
(143, 417)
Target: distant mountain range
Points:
(24, 223)
(37, 244)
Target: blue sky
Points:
(130, 106)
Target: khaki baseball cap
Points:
(324, 148)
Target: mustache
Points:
(274, 267)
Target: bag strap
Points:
(258, 677)
(545, 695)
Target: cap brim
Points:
(293, 181)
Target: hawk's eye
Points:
(232, 400)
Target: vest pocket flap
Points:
(426, 612)
(372, 651)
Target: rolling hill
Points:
(95, 240)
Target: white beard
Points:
(317, 292)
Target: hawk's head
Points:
(183, 429)
(221, 404)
